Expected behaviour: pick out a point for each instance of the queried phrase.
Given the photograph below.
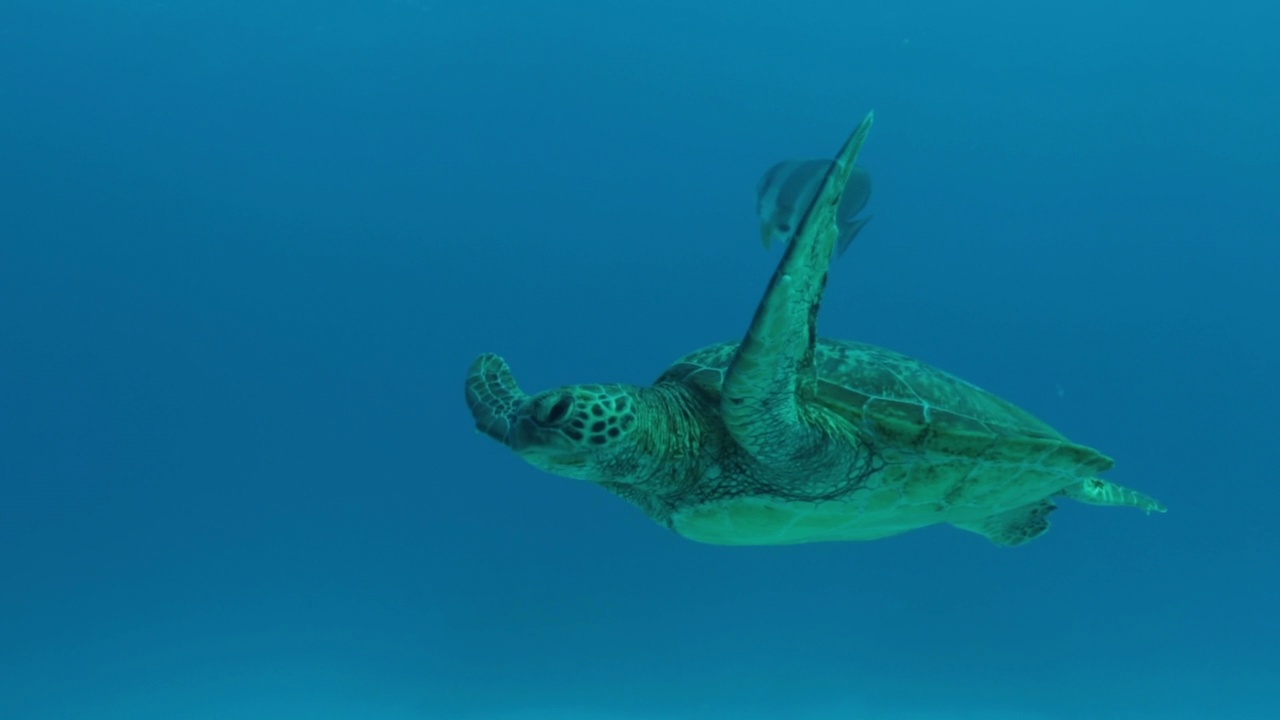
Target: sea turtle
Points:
(787, 438)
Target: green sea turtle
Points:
(787, 438)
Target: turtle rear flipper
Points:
(1014, 527)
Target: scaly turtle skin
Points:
(787, 438)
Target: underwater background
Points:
(248, 250)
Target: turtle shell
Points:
(907, 408)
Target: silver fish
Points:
(786, 190)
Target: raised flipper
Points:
(1014, 527)
(774, 364)
(1096, 491)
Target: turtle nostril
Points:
(558, 411)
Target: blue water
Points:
(248, 249)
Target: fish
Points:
(786, 190)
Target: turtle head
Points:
(578, 431)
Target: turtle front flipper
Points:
(493, 396)
(774, 364)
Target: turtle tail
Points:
(1096, 491)
(493, 396)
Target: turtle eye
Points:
(560, 410)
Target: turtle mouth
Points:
(525, 434)
(494, 398)
(538, 427)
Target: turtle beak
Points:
(493, 397)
